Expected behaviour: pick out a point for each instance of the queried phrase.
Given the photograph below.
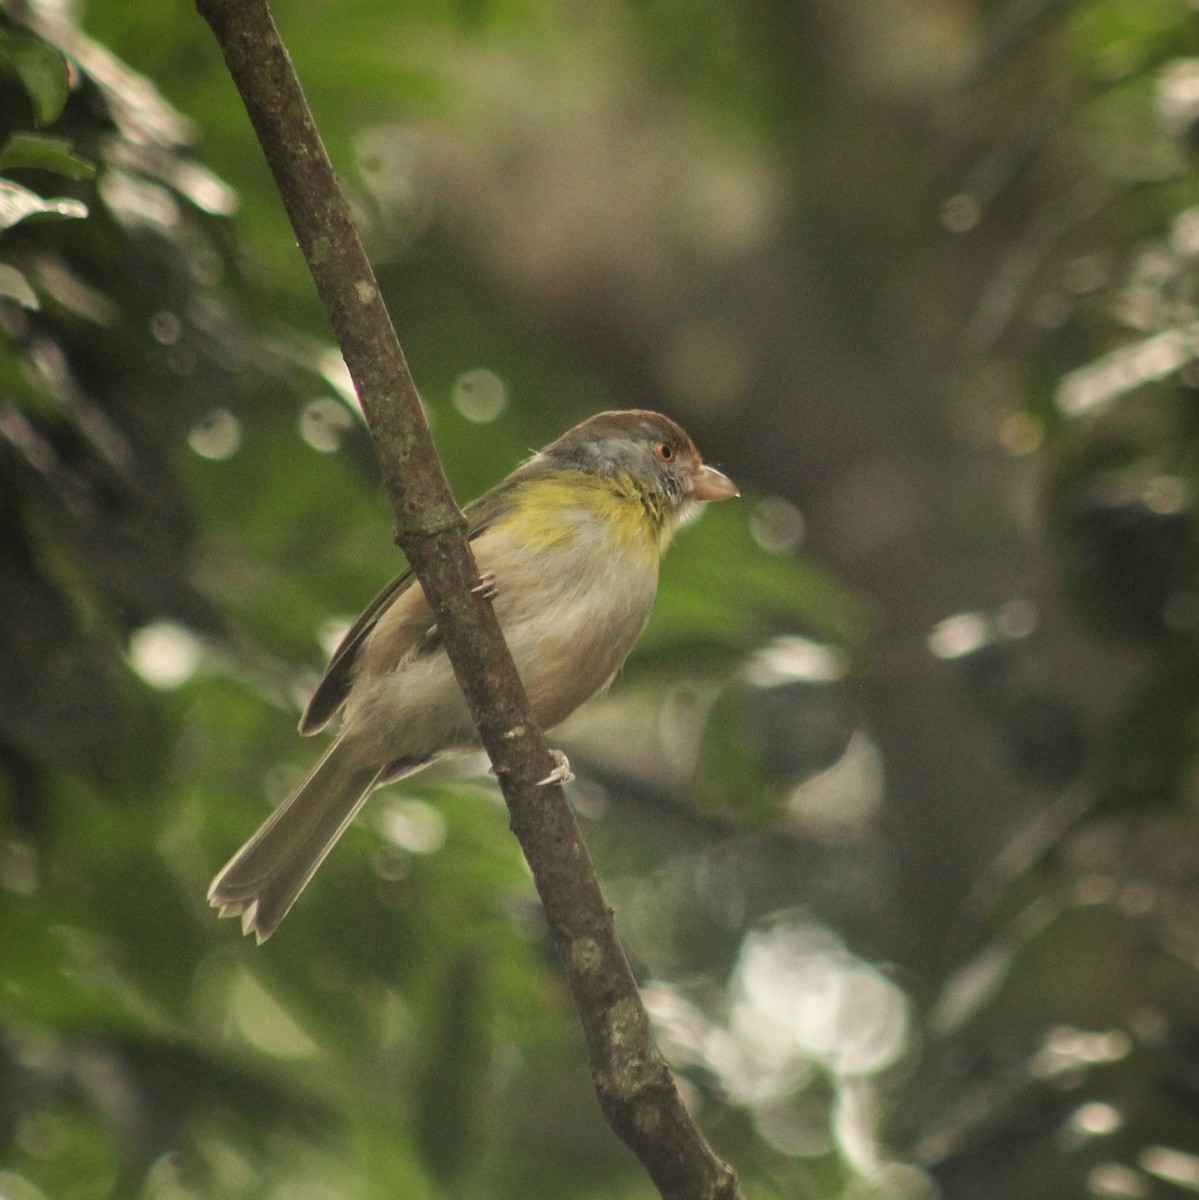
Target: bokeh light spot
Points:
(1096, 1119)
(1118, 1182)
(960, 213)
(776, 525)
(795, 659)
(1016, 619)
(336, 374)
(1066, 1049)
(959, 635)
(800, 991)
(412, 825)
(216, 436)
(1095, 385)
(1178, 95)
(1174, 1166)
(165, 327)
(480, 395)
(1166, 495)
(164, 654)
(324, 423)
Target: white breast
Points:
(572, 641)
(570, 614)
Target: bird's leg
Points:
(561, 772)
(486, 586)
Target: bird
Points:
(567, 547)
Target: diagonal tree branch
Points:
(634, 1085)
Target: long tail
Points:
(262, 880)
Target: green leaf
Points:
(43, 153)
(17, 203)
(14, 286)
(42, 72)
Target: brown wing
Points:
(407, 622)
(335, 684)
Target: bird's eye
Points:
(665, 451)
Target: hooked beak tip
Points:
(711, 484)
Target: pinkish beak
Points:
(710, 484)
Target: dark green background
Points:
(895, 801)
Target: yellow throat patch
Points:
(551, 507)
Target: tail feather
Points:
(263, 879)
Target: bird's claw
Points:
(486, 587)
(561, 772)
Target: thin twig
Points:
(635, 1088)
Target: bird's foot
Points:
(561, 772)
(486, 587)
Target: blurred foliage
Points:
(188, 492)
(900, 847)
(1061, 1048)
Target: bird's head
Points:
(647, 449)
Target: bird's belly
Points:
(576, 647)
(568, 635)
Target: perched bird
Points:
(568, 547)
